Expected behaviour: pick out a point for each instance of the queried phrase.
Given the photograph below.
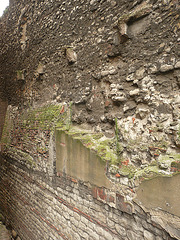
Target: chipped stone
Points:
(134, 92)
(166, 68)
(142, 112)
(177, 65)
(119, 97)
(71, 55)
(130, 78)
(40, 69)
(140, 73)
(153, 69)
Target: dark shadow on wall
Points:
(3, 108)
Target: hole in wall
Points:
(137, 27)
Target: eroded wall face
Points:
(110, 59)
(107, 60)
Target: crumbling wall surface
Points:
(112, 65)
(108, 57)
(111, 59)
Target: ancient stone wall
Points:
(110, 59)
(105, 65)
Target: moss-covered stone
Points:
(127, 171)
(176, 164)
(45, 117)
(21, 156)
(166, 160)
(104, 147)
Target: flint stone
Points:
(177, 65)
(71, 55)
(134, 92)
(166, 68)
(140, 73)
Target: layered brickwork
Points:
(63, 208)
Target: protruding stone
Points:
(119, 97)
(120, 230)
(18, 238)
(153, 69)
(132, 235)
(142, 113)
(20, 74)
(92, 2)
(14, 234)
(166, 68)
(140, 73)
(177, 65)
(134, 92)
(71, 55)
(130, 78)
(113, 3)
(40, 69)
(123, 31)
(163, 165)
(129, 106)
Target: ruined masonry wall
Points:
(111, 59)
(63, 208)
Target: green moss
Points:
(127, 171)
(169, 158)
(47, 117)
(176, 164)
(18, 154)
(143, 172)
(118, 149)
(97, 142)
(149, 172)
(135, 142)
(153, 163)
